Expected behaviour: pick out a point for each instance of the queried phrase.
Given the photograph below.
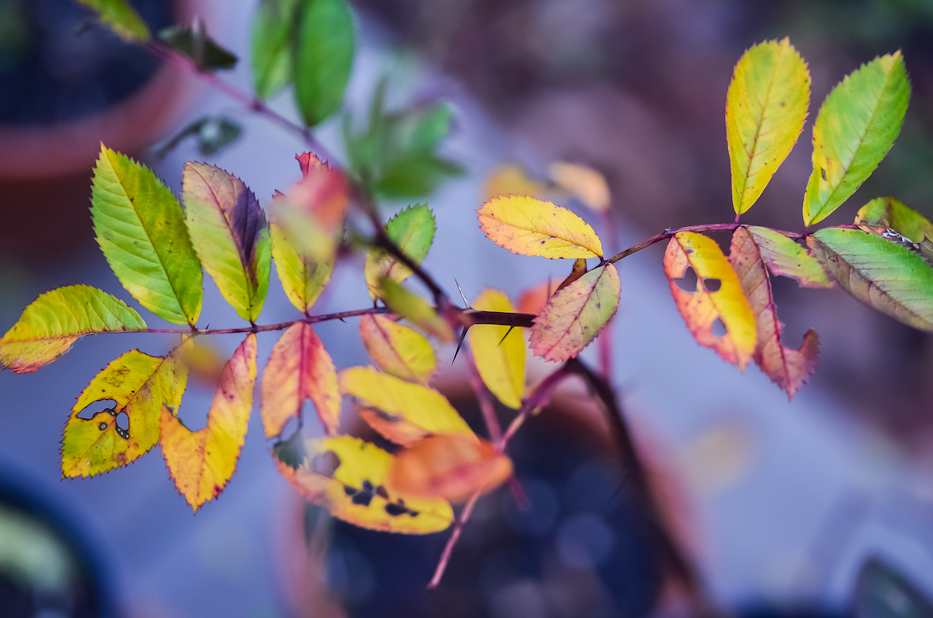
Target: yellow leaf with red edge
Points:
(202, 462)
(397, 349)
(139, 384)
(573, 317)
(511, 179)
(528, 226)
(582, 182)
(499, 353)
(452, 467)
(299, 369)
(786, 367)
(403, 404)
(702, 307)
(347, 476)
(413, 308)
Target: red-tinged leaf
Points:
(202, 462)
(787, 368)
(573, 317)
(702, 307)
(323, 191)
(785, 257)
(397, 349)
(452, 467)
(299, 368)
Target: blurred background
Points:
(822, 506)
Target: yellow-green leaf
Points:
(499, 354)
(855, 129)
(397, 349)
(120, 17)
(787, 258)
(718, 296)
(765, 110)
(527, 226)
(140, 385)
(891, 213)
(412, 230)
(414, 309)
(573, 317)
(55, 320)
(303, 278)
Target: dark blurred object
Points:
(882, 592)
(213, 134)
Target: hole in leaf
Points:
(122, 425)
(93, 409)
(325, 464)
(712, 284)
(687, 283)
(718, 329)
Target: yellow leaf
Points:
(511, 179)
(201, 462)
(527, 226)
(500, 357)
(397, 349)
(413, 308)
(718, 295)
(403, 403)
(584, 183)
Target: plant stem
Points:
(452, 541)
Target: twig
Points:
(452, 541)
(483, 399)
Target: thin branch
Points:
(454, 537)
(537, 399)
(484, 399)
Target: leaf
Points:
(527, 226)
(213, 134)
(452, 467)
(701, 308)
(120, 17)
(401, 404)
(787, 368)
(582, 182)
(230, 235)
(299, 369)
(201, 462)
(787, 258)
(573, 317)
(511, 178)
(140, 385)
(271, 46)
(323, 58)
(398, 350)
(499, 354)
(194, 44)
(413, 308)
(303, 279)
(412, 230)
(890, 213)
(140, 228)
(54, 321)
(882, 274)
(854, 130)
(347, 477)
(765, 111)
(535, 298)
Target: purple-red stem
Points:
(454, 537)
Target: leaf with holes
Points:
(882, 274)
(765, 110)
(347, 476)
(202, 462)
(527, 226)
(855, 129)
(54, 321)
(499, 351)
(413, 308)
(787, 368)
(120, 17)
(140, 385)
(324, 48)
(401, 409)
(573, 317)
(303, 278)
(787, 258)
(452, 467)
(398, 350)
(299, 369)
(582, 182)
(702, 307)
(140, 228)
(230, 235)
(412, 230)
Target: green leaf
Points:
(415, 174)
(323, 58)
(882, 274)
(230, 234)
(271, 46)
(854, 130)
(120, 17)
(413, 308)
(55, 320)
(785, 257)
(303, 279)
(412, 230)
(890, 213)
(141, 229)
(765, 111)
(201, 49)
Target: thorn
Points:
(459, 344)
(549, 288)
(465, 301)
(342, 320)
(506, 334)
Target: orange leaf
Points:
(534, 298)
(201, 462)
(449, 466)
(787, 368)
(299, 368)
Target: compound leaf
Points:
(787, 258)
(120, 17)
(413, 308)
(299, 368)
(140, 228)
(271, 46)
(303, 278)
(528, 226)
(398, 350)
(702, 307)
(54, 321)
(855, 129)
(412, 230)
(499, 353)
(573, 317)
(765, 110)
(201, 462)
(323, 58)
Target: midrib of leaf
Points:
(766, 281)
(388, 341)
(759, 124)
(550, 227)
